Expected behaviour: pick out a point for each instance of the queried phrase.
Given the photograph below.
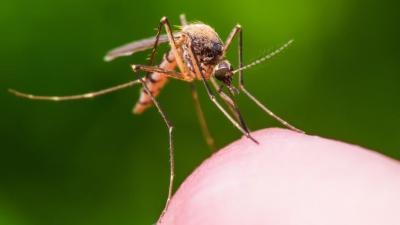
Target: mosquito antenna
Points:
(264, 58)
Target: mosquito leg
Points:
(238, 29)
(212, 97)
(174, 49)
(180, 76)
(169, 73)
(74, 97)
(153, 52)
(178, 57)
(269, 112)
(231, 36)
(229, 102)
(200, 115)
(184, 75)
(227, 44)
(93, 94)
(202, 120)
(171, 146)
(253, 98)
(150, 69)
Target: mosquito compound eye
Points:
(222, 70)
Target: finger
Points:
(290, 178)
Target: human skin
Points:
(289, 178)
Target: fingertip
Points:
(285, 180)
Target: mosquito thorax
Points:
(223, 72)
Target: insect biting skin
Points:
(199, 54)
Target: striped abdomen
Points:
(155, 82)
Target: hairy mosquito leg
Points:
(241, 86)
(153, 52)
(211, 95)
(150, 69)
(178, 56)
(74, 97)
(202, 120)
(171, 146)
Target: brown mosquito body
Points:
(199, 53)
(155, 83)
(208, 49)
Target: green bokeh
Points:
(93, 162)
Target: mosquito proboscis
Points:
(199, 54)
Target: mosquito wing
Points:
(136, 46)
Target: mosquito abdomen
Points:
(155, 83)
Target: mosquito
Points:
(199, 54)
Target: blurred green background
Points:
(93, 162)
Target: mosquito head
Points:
(223, 72)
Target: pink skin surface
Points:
(290, 178)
